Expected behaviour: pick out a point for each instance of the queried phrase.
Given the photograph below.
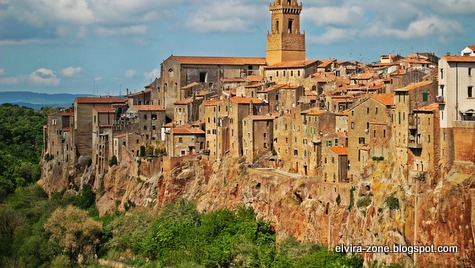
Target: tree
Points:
(76, 233)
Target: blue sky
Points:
(106, 46)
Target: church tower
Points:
(285, 42)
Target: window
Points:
(283, 73)
(470, 91)
(367, 110)
(384, 133)
(469, 71)
(296, 152)
(265, 145)
(374, 133)
(203, 77)
(290, 26)
(298, 73)
(277, 26)
(352, 125)
(376, 110)
(277, 74)
(180, 140)
(425, 96)
(441, 73)
(361, 140)
(291, 73)
(333, 160)
(442, 90)
(144, 117)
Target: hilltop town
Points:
(324, 120)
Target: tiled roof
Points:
(459, 58)
(340, 150)
(183, 102)
(292, 64)
(120, 136)
(186, 130)
(314, 112)
(65, 114)
(471, 47)
(148, 90)
(149, 108)
(232, 80)
(262, 117)
(198, 60)
(244, 100)
(98, 100)
(254, 78)
(414, 86)
(271, 88)
(387, 99)
(212, 102)
(428, 108)
(325, 63)
(107, 110)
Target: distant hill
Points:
(38, 100)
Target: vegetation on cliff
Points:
(55, 232)
(21, 142)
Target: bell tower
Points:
(284, 41)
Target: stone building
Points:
(284, 41)
(188, 110)
(371, 114)
(456, 100)
(291, 72)
(214, 112)
(57, 140)
(83, 121)
(102, 133)
(289, 97)
(258, 135)
(239, 108)
(424, 139)
(178, 72)
(335, 164)
(185, 140)
(143, 97)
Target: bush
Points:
(392, 202)
(113, 161)
(352, 198)
(363, 202)
(421, 176)
(378, 158)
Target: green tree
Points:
(76, 233)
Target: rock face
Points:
(385, 208)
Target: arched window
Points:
(277, 26)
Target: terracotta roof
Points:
(261, 117)
(364, 76)
(271, 88)
(314, 112)
(65, 114)
(186, 130)
(428, 108)
(232, 80)
(340, 150)
(194, 84)
(291, 87)
(244, 100)
(387, 99)
(149, 108)
(254, 85)
(120, 136)
(148, 90)
(254, 78)
(325, 63)
(471, 47)
(107, 110)
(98, 100)
(459, 58)
(198, 60)
(183, 102)
(292, 64)
(212, 102)
(414, 86)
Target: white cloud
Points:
(334, 15)
(127, 30)
(10, 80)
(2, 71)
(44, 77)
(226, 16)
(71, 71)
(152, 74)
(130, 73)
(333, 35)
(421, 28)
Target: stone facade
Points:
(285, 42)
(258, 135)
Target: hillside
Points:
(36, 100)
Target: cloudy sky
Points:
(106, 46)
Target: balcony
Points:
(414, 144)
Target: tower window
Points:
(203, 77)
(290, 27)
(277, 26)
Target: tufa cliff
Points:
(384, 208)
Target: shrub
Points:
(421, 176)
(363, 202)
(113, 161)
(352, 198)
(392, 202)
